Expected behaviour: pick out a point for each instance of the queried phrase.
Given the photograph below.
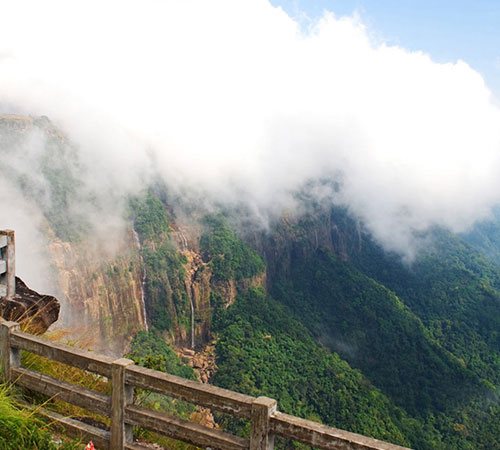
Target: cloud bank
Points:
(231, 99)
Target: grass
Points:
(20, 429)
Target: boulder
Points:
(35, 312)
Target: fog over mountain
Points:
(231, 101)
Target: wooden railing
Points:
(266, 421)
(7, 264)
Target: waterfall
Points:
(184, 245)
(143, 281)
(192, 321)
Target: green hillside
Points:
(263, 350)
(437, 389)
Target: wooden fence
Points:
(7, 264)
(266, 420)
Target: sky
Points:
(242, 103)
(446, 29)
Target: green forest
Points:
(343, 332)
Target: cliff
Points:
(103, 298)
(100, 291)
(190, 271)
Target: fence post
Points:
(261, 437)
(8, 273)
(11, 263)
(10, 356)
(122, 395)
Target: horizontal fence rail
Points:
(125, 376)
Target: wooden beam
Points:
(183, 430)
(324, 437)
(77, 429)
(266, 421)
(206, 395)
(59, 352)
(67, 392)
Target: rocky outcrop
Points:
(35, 312)
(203, 363)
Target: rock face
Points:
(295, 238)
(35, 312)
(103, 295)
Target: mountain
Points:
(311, 310)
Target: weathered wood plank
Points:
(200, 394)
(3, 241)
(9, 357)
(261, 438)
(183, 430)
(3, 266)
(61, 390)
(59, 352)
(77, 429)
(324, 437)
(123, 394)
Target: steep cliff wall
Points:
(191, 269)
(102, 300)
(296, 237)
(100, 293)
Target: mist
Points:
(233, 102)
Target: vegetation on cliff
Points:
(149, 350)
(149, 216)
(455, 291)
(229, 256)
(166, 299)
(53, 180)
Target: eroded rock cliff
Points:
(102, 294)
